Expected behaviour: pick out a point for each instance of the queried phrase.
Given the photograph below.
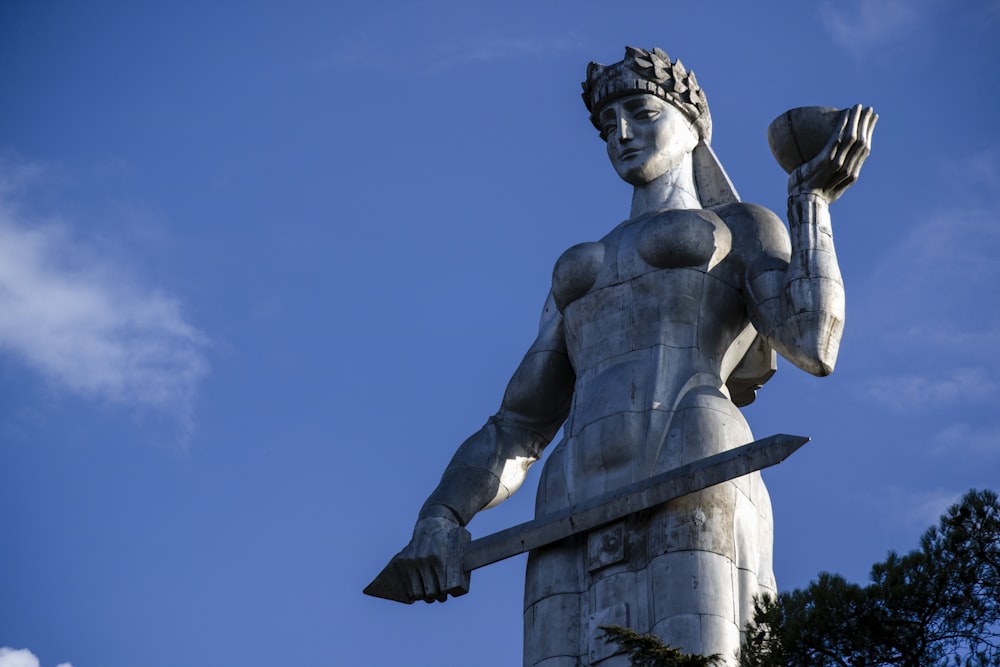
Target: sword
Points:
(465, 554)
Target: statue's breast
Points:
(667, 240)
(576, 272)
(677, 239)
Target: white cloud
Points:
(10, 657)
(85, 323)
(860, 25)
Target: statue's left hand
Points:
(837, 166)
(426, 565)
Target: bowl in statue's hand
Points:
(798, 135)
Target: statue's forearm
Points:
(813, 317)
(800, 304)
(488, 467)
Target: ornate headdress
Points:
(650, 72)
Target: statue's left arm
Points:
(491, 464)
(793, 286)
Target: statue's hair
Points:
(649, 72)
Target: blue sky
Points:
(263, 266)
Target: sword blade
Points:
(634, 498)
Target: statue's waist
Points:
(654, 374)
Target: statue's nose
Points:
(624, 131)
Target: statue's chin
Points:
(638, 173)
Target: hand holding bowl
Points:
(822, 149)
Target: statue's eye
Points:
(646, 113)
(608, 126)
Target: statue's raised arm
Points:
(797, 303)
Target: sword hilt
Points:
(457, 578)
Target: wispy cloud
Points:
(954, 245)
(919, 509)
(933, 301)
(980, 442)
(926, 507)
(375, 48)
(10, 657)
(858, 26)
(984, 339)
(83, 321)
(918, 393)
(507, 48)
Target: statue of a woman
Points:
(650, 339)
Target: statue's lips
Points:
(629, 153)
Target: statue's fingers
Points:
(872, 120)
(431, 583)
(856, 160)
(866, 125)
(853, 131)
(845, 181)
(851, 134)
(864, 144)
(856, 156)
(836, 151)
(415, 583)
(854, 122)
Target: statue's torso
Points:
(650, 312)
(654, 320)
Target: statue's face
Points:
(646, 137)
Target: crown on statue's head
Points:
(649, 72)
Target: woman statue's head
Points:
(649, 72)
(646, 137)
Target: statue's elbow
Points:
(823, 354)
(815, 362)
(815, 342)
(825, 366)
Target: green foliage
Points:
(650, 651)
(937, 606)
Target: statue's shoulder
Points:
(754, 226)
(747, 214)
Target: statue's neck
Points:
(674, 189)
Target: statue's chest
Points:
(644, 250)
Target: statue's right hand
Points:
(838, 165)
(425, 562)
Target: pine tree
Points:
(649, 650)
(937, 606)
